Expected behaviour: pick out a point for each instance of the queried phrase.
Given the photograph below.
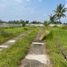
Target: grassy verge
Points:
(11, 57)
(7, 33)
(57, 46)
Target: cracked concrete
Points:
(41, 58)
(12, 41)
(4, 46)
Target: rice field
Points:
(11, 32)
(57, 46)
(12, 56)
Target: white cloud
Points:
(66, 5)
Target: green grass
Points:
(12, 56)
(7, 33)
(57, 41)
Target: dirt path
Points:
(11, 42)
(37, 56)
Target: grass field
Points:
(11, 57)
(57, 46)
(7, 33)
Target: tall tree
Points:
(60, 12)
(46, 23)
(27, 21)
(52, 19)
(23, 23)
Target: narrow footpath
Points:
(37, 56)
(11, 42)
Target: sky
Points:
(28, 9)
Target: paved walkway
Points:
(12, 41)
(37, 56)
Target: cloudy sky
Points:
(28, 9)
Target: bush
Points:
(46, 23)
(50, 35)
(5, 34)
(64, 27)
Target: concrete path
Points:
(12, 41)
(37, 56)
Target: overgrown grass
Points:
(7, 33)
(11, 57)
(56, 44)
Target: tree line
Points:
(54, 18)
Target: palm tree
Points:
(52, 18)
(60, 11)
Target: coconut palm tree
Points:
(60, 12)
(52, 19)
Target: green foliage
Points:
(46, 23)
(56, 41)
(36, 22)
(52, 19)
(12, 56)
(60, 11)
(27, 22)
(50, 35)
(7, 33)
(23, 23)
(4, 33)
(64, 27)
